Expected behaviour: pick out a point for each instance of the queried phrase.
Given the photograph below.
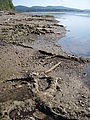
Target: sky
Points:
(80, 4)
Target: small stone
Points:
(31, 118)
(16, 52)
(39, 115)
(14, 85)
(88, 109)
(82, 103)
(19, 86)
(83, 96)
(84, 74)
(35, 73)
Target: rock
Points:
(84, 74)
(39, 115)
(14, 114)
(36, 74)
(32, 118)
(61, 25)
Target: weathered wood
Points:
(52, 68)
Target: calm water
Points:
(77, 38)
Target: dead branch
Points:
(52, 68)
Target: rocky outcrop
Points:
(14, 29)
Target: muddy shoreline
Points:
(38, 80)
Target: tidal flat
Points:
(38, 80)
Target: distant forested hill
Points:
(6, 5)
(44, 9)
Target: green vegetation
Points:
(6, 5)
(46, 9)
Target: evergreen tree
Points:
(6, 5)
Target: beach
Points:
(38, 80)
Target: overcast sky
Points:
(80, 4)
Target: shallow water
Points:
(77, 38)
